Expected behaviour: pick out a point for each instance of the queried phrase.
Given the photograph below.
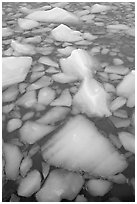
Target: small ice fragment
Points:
(80, 198)
(98, 8)
(45, 169)
(23, 48)
(117, 69)
(27, 24)
(128, 141)
(30, 184)
(25, 166)
(46, 95)
(131, 101)
(10, 94)
(119, 179)
(117, 103)
(6, 32)
(127, 86)
(98, 187)
(13, 124)
(27, 100)
(33, 131)
(66, 51)
(34, 40)
(117, 27)
(64, 99)
(13, 158)
(48, 61)
(54, 115)
(117, 61)
(120, 122)
(63, 78)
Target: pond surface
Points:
(114, 47)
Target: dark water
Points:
(125, 44)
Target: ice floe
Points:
(33, 131)
(13, 157)
(60, 184)
(15, 69)
(30, 184)
(87, 99)
(98, 8)
(23, 48)
(64, 33)
(27, 24)
(77, 136)
(55, 15)
(98, 187)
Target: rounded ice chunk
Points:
(13, 158)
(98, 187)
(29, 184)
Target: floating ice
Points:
(63, 78)
(54, 115)
(79, 64)
(25, 166)
(128, 141)
(15, 69)
(117, 69)
(13, 124)
(118, 27)
(98, 187)
(13, 159)
(92, 99)
(117, 103)
(27, 100)
(64, 33)
(23, 48)
(27, 24)
(55, 15)
(98, 8)
(10, 94)
(48, 61)
(6, 32)
(127, 86)
(64, 99)
(59, 185)
(33, 131)
(46, 95)
(29, 184)
(80, 146)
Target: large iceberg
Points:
(55, 15)
(15, 69)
